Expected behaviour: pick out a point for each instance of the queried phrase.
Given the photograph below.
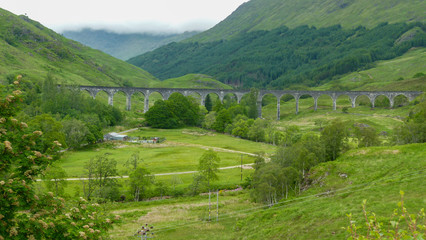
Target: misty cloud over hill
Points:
(124, 45)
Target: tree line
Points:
(65, 114)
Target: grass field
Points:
(376, 174)
(179, 153)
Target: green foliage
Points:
(208, 103)
(367, 136)
(256, 131)
(418, 75)
(283, 57)
(54, 179)
(209, 120)
(252, 104)
(99, 171)
(75, 132)
(208, 166)
(414, 129)
(141, 182)
(133, 161)
(272, 182)
(23, 214)
(160, 116)
(402, 225)
(223, 118)
(82, 117)
(198, 185)
(52, 129)
(241, 128)
(334, 137)
(186, 109)
(177, 111)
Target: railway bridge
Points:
(166, 92)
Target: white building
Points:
(115, 136)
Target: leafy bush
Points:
(23, 214)
(177, 111)
(402, 225)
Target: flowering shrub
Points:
(24, 215)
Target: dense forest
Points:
(285, 57)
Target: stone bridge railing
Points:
(166, 92)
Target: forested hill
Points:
(270, 14)
(285, 57)
(34, 51)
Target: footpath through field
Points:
(244, 166)
(171, 143)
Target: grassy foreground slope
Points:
(337, 188)
(30, 49)
(270, 14)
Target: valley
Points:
(286, 120)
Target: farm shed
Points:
(115, 136)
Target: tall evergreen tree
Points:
(208, 103)
(252, 103)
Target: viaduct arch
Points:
(166, 92)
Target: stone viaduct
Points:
(166, 92)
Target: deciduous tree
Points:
(208, 166)
(334, 137)
(141, 182)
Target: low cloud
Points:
(156, 28)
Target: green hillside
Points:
(404, 73)
(30, 49)
(338, 188)
(284, 57)
(192, 81)
(270, 14)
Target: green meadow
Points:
(338, 188)
(179, 153)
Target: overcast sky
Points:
(124, 16)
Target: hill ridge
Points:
(269, 14)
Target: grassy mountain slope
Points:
(30, 49)
(270, 14)
(192, 81)
(124, 46)
(283, 57)
(375, 174)
(404, 73)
